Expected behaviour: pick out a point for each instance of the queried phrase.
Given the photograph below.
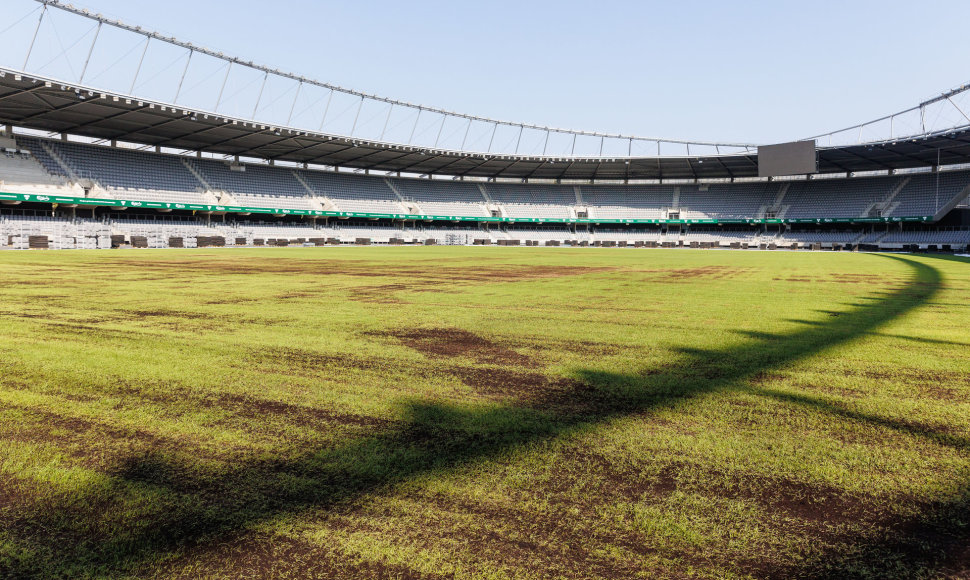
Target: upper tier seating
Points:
(355, 193)
(628, 202)
(533, 201)
(257, 186)
(21, 172)
(920, 197)
(837, 198)
(130, 174)
(726, 201)
(147, 176)
(447, 198)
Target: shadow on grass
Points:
(88, 535)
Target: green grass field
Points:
(483, 413)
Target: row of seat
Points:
(128, 173)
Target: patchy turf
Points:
(483, 413)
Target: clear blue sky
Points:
(753, 71)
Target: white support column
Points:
(415, 128)
(30, 49)
(326, 110)
(87, 61)
(259, 97)
(140, 62)
(386, 121)
(293, 106)
(357, 116)
(185, 71)
(467, 129)
(440, 129)
(225, 79)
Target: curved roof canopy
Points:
(277, 131)
(49, 105)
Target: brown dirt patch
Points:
(603, 480)
(553, 544)
(455, 342)
(502, 382)
(89, 443)
(230, 300)
(253, 408)
(265, 556)
(939, 385)
(295, 360)
(362, 268)
(384, 293)
(705, 272)
(584, 347)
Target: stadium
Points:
(310, 331)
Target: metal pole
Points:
(90, 52)
(188, 61)
(356, 117)
(629, 149)
(440, 129)
(573, 150)
(492, 140)
(326, 110)
(413, 129)
(260, 97)
(386, 121)
(519, 140)
(293, 106)
(936, 207)
(546, 144)
(140, 62)
(224, 81)
(34, 39)
(467, 129)
(602, 139)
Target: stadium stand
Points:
(56, 167)
(254, 185)
(123, 173)
(445, 198)
(354, 193)
(735, 201)
(21, 172)
(634, 202)
(533, 201)
(920, 196)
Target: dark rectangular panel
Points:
(796, 158)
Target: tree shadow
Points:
(81, 536)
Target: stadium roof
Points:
(34, 102)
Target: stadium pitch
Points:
(483, 413)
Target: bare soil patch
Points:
(455, 342)
(265, 556)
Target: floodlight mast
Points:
(192, 49)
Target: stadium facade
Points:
(86, 167)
